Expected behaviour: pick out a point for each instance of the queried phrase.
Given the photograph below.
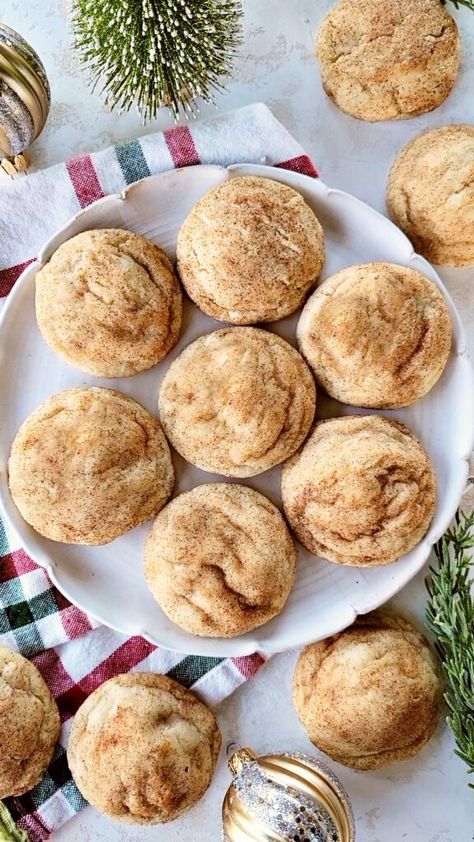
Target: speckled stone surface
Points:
(421, 800)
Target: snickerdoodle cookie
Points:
(361, 491)
(370, 695)
(109, 302)
(220, 560)
(388, 59)
(250, 250)
(430, 194)
(29, 724)
(237, 401)
(376, 335)
(143, 749)
(88, 465)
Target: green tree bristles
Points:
(151, 53)
(450, 617)
(469, 4)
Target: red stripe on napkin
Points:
(75, 622)
(51, 668)
(301, 164)
(84, 180)
(127, 656)
(16, 564)
(35, 826)
(8, 277)
(181, 146)
(250, 665)
(70, 694)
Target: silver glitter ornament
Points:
(24, 98)
(285, 798)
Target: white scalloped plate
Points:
(107, 581)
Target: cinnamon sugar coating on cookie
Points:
(143, 749)
(388, 59)
(88, 465)
(237, 401)
(371, 695)
(109, 302)
(219, 560)
(361, 491)
(250, 251)
(376, 335)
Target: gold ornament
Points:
(24, 99)
(285, 798)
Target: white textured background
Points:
(422, 800)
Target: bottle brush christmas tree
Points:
(157, 52)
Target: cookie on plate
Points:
(376, 335)
(237, 401)
(250, 250)
(88, 465)
(430, 194)
(219, 560)
(370, 695)
(29, 724)
(143, 749)
(361, 491)
(388, 59)
(108, 301)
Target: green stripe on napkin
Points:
(192, 668)
(132, 161)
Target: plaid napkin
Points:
(75, 654)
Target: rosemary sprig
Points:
(450, 617)
(157, 52)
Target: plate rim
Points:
(252, 644)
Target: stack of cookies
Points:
(91, 463)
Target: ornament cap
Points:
(238, 757)
(15, 165)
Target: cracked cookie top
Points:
(143, 749)
(388, 59)
(376, 335)
(250, 250)
(361, 491)
(219, 560)
(237, 401)
(109, 302)
(29, 724)
(370, 695)
(430, 194)
(88, 465)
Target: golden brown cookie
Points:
(29, 724)
(430, 194)
(370, 695)
(388, 59)
(88, 465)
(237, 401)
(220, 560)
(143, 749)
(376, 335)
(361, 491)
(109, 302)
(250, 250)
